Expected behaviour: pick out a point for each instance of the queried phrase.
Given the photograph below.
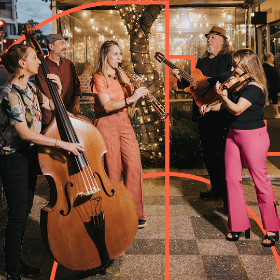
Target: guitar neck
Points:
(184, 74)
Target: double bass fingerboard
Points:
(62, 113)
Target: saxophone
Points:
(149, 97)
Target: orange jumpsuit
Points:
(123, 155)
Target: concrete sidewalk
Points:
(198, 249)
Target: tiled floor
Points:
(198, 249)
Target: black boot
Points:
(210, 195)
(28, 270)
(13, 276)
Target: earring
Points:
(21, 76)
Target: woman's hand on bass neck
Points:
(55, 79)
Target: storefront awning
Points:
(66, 4)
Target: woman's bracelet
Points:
(125, 101)
(57, 146)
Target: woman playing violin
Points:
(20, 126)
(247, 140)
(112, 93)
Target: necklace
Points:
(112, 77)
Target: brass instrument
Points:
(149, 97)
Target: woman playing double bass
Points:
(113, 95)
(20, 126)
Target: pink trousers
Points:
(123, 155)
(252, 146)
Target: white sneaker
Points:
(142, 223)
(277, 116)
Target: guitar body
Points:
(201, 97)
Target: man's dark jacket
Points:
(218, 69)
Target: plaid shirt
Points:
(18, 105)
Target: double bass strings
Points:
(87, 246)
(88, 177)
(90, 183)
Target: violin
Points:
(235, 82)
(89, 219)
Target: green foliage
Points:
(87, 110)
(185, 150)
(137, 127)
(151, 161)
(149, 158)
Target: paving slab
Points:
(198, 249)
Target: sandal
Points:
(235, 235)
(272, 239)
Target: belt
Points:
(99, 114)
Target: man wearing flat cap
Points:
(65, 70)
(215, 63)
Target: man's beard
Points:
(210, 49)
(61, 54)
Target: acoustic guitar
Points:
(201, 97)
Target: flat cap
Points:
(51, 38)
(217, 30)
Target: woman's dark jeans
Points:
(19, 181)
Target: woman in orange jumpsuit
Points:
(113, 95)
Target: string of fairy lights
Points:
(140, 34)
(138, 21)
(149, 127)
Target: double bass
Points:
(89, 219)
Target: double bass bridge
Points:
(88, 193)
